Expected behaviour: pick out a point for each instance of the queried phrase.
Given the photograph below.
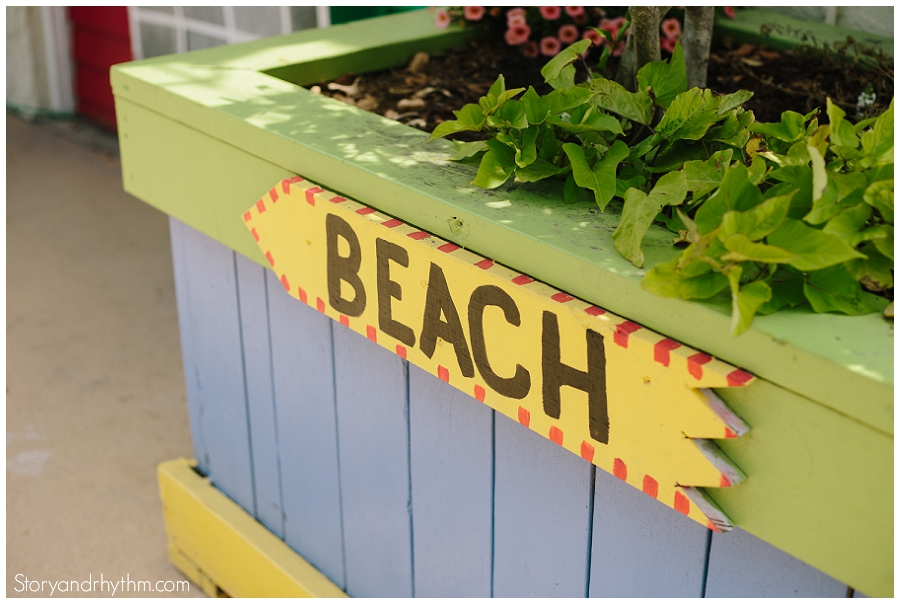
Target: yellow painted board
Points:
(629, 400)
(215, 542)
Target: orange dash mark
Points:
(738, 377)
(444, 373)
(448, 247)
(661, 350)
(418, 235)
(320, 305)
(270, 259)
(273, 194)
(522, 280)
(364, 211)
(301, 293)
(401, 351)
(479, 393)
(561, 297)
(729, 433)
(284, 282)
(247, 216)
(255, 234)
(724, 482)
(393, 222)
(337, 199)
(524, 416)
(345, 320)
(696, 363)
(622, 331)
(587, 451)
(620, 470)
(371, 333)
(260, 206)
(286, 184)
(311, 195)
(485, 264)
(556, 435)
(651, 487)
(682, 503)
(594, 311)
(712, 527)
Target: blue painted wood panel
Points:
(254, 313)
(303, 374)
(542, 516)
(216, 363)
(178, 231)
(451, 460)
(642, 548)
(373, 432)
(741, 565)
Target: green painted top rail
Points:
(247, 96)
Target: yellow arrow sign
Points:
(632, 402)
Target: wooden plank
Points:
(227, 547)
(795, 351)
(542, 516)
(743, 566)
(641, 549)
(787, 504)
(303, 377)
(217, 362)
(451, 463)
(178, 233)
(254, 314)
(371, 386)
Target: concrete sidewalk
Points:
(95, 386)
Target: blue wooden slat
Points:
(178, 231)
(216, 359)
(373, 432)
(303, 377)
(642, 548)
(542, 515)
(254, 313)
(451, 460)
(741, 565)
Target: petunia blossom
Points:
(613, 26)
(530, 49)
(619, 47)
(515, 13)
(568, 34)
(441, 18)
(473, 13)
(550, 46)
(668, 44)
(517, 35)
(671, 28)
(550, 13)
(729, 11)
(592, 35)
(574, 11)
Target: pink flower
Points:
(515, 14)
(617, 51)
(550, 13)
(729, 11)
(668, 44)
(671, 28)
(574, 11)
(550, 46)
(613, 26)
(568, 34)
(473, 13)
(515, 20)
(580, 19)
(517, 35)
(530, 49)
(442, 18)
(592, 35)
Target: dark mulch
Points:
(425, 93)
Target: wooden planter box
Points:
(391, 482)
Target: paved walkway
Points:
(95, 388)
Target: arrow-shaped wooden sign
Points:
(630, 401)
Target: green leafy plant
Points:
(773, 214)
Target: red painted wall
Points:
(100, 39)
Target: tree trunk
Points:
(642, 46)
(698, 24)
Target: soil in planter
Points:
(425, 92)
